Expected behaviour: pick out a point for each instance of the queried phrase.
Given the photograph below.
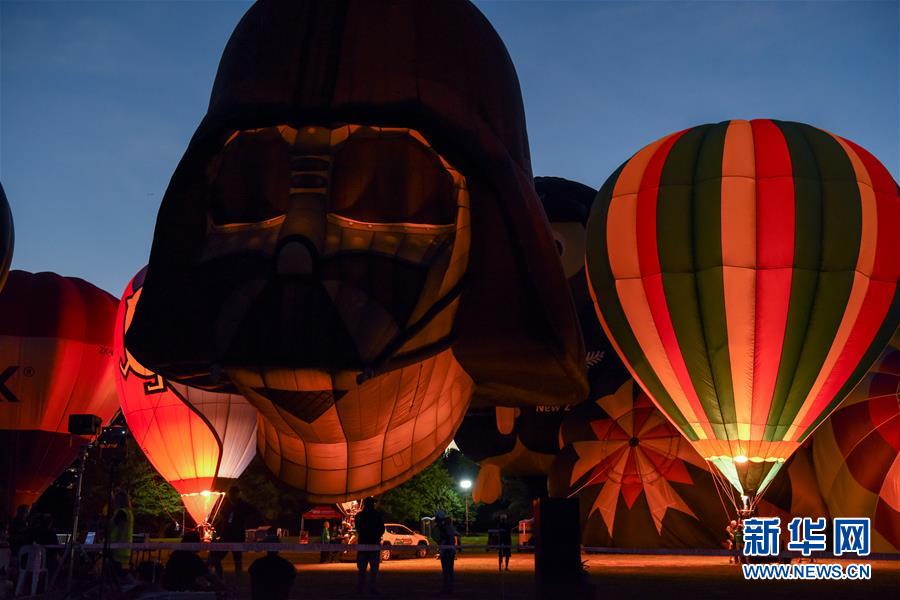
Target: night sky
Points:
(99, 99)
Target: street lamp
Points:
(466, 485)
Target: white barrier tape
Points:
(274, 547)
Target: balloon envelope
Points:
(517, 438)
(639, 483)
(368, 437)
(56, 359)
(856, 453)
(747, 274)
(308, 250)
(196, 439)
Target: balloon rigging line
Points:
(718, 493)
(591, 480)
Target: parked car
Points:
(398, 540)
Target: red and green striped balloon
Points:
(746, 272)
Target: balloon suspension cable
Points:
(723, 487)
(214, 513)
(718, 492)
(592, 479)
(163, 504)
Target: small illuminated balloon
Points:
(199, 441)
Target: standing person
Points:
(325, 555)
(121, 531)
(186, 571)
(738, 527)
(18, 530)
(231, 524)
(729, 541)
(504, 541)
(446, 539)
(271, 576)
(369, 529)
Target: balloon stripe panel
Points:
(775, 257)
(865, 311)
(621, 235)
(841, 230)
(682, 391)
(738, 199)
(707, 249)
(804, 278)
(886, 266)
(885, 332)
(601, 285)
(675, 233)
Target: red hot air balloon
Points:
(856, 453)
(198, 440)
(747, 273)
(56, 359)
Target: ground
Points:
(615, 576)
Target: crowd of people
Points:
(271, 576)
(25, 528)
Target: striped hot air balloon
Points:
(198, 440)
(747, 273)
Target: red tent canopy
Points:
(322, 513)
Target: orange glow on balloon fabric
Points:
(196, 439)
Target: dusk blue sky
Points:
(99, 99)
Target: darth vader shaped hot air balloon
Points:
(747, 273)
(523, 440)
(55, 360)
(359, 190)
(198, 440)
(7, 237)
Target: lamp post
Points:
(466, 485)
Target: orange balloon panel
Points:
(55, 360)
(196, 439)
(339, 442)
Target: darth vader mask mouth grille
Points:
(342, 246)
